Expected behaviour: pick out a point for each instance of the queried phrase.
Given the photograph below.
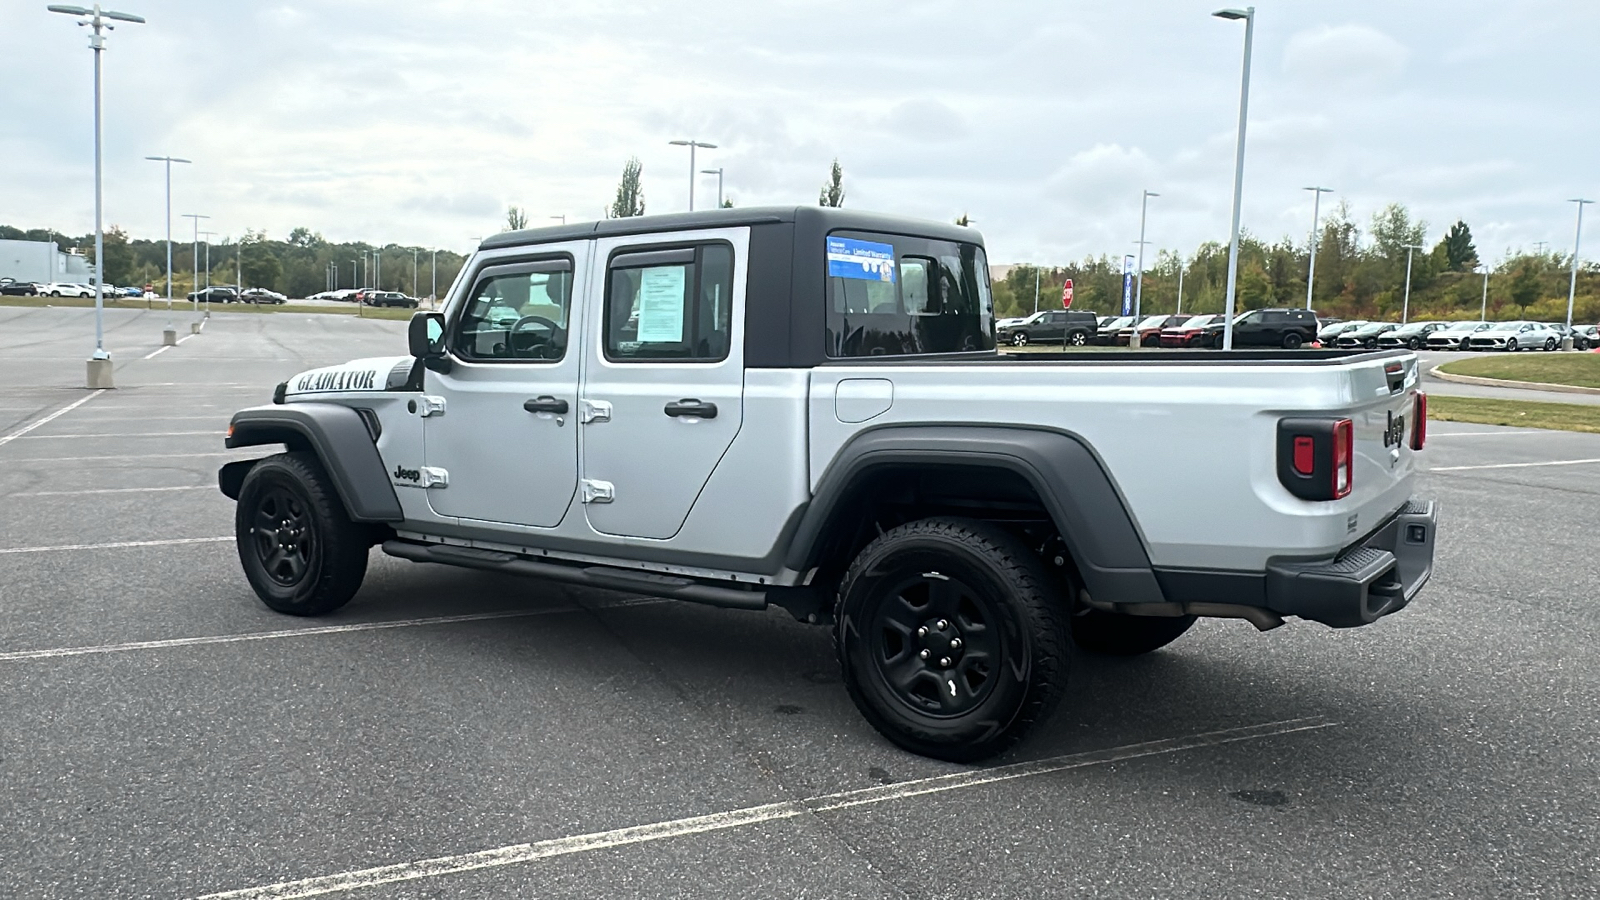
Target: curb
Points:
(1501, 382)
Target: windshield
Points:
(1153, 322)
(1465, 326)
(1119, 322)
(1198, 322)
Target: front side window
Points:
(518, 312)
(670, 304)
(892, 295)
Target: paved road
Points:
(1452, 389)
(163, 735)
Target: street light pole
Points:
(1138, 292)
(169, 160)
(1405, 307)
(195, 250)
(562, 217)
(99, 372)
(1483, 311)
(717, 172)
(1180, 286)
(1248, 14)
(1316, 205)
(1577, 240)
(1035, 288)
(433, 272)
(692, 144)
(208, 235)
(413, 271)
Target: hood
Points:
(379, 373)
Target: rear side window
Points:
(670, 304)
(890, 295)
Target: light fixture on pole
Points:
(1138, 291)
(99, 367)
(1577, 240)
(563, 218)
(1316, 209)
(717, 172)
(169, 160)
(195, 250)
(1248, 14)
(1405, 307)
(692, 144)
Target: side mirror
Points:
(425, 338)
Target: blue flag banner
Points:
(860, 259)
(1127, 285)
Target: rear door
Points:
(663, 382)
(506, 437)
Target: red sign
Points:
(1066, 295)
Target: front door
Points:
(507, 437)
(663, 390)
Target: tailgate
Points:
(1384, 412)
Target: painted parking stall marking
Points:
(754, 815)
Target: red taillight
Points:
(1305, 455)
(1344, 457)
(1419, 428)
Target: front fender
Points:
(340, 438)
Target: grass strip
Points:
(1576, 369)
(1518, 413)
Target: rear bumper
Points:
(1361, 584)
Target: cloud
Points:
(925, 119)
(1344, 55)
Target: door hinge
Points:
(594, 411)
(598, 491)
(433, 477)
(430, 406)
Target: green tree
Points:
(306, 239)
(630, 193)
(259, 266)
(1459, 253)
(1525, 285)
(833, 191)
(119, 256)
(516, 218)
(727, 203)
(963, 221)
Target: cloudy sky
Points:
(418, 123)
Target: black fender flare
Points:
(1071, 481)
(340, 437)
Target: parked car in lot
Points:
(1109, 331)
(1454, 337)
(214, 294)
(1071, 327)
(1366, 336)
(1412, 337)
(1585, 337)
(20, 288)
(262, 295)
(1328, 334)
(1286, 328)
(859, 456)
(1149, 330)
(67, 289)
(388, 298)
(1192, 333)
(1514, 336)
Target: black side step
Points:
(651, 583)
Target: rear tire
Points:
(951, 638)
(1115, 634)
(1549, 344)
(300, 551)
(1020, 339)
(1293, 340)
(1078, 338)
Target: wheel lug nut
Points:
(923, 631)
(945, 661)
(924, 654)
(955, 643)
(942, 624)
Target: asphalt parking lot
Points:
(462, 734)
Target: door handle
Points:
(546, 404)
(695, 408)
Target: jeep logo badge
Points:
(1395, 431)
(411, 475)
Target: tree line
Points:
(297, 265)
(1359, 274)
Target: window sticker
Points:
(661, 304)
(864, 260)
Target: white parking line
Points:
(113, 545)
(754, 815)
(160, 350)
(17, 655)
(174, 456)
(191, 487)
(1527, 465)
(50, 418)
(125, 434)
(1432, 435)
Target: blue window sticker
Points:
(860, 259)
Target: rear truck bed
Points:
(1201, 449)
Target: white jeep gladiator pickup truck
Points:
(804, 407)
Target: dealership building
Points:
(42, 261)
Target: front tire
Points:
(1020, 339)
(951, 638)
(1549, 344)
(1116, 634)
(300, 551)
(1293, 340)
(1511, 345)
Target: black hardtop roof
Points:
(819, 218)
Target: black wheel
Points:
(1292, 340)
(1549, 344)
(1115, 634)
(299, 550)
(1511, 345)
(1077, 338)
(1414, 344)
(951, 638)
(1020, 339)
